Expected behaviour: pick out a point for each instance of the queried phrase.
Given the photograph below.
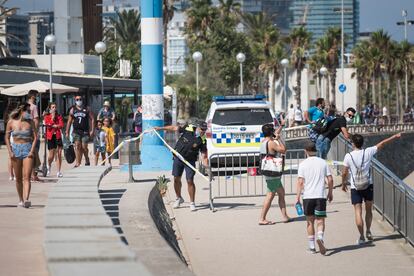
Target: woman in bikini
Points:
(20, 126)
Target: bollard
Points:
(131, 172)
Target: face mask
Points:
(52, 110)
(348, 119)
(27, 116)
(197, 133)
(78, 102)
(322, 107)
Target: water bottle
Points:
(299, 209)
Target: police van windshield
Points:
(249, 116)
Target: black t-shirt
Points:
(80, 119)
(334, 128)
(199, 144)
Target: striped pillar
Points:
(151, 62)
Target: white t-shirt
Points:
(357, 156)
(314, 170)
(384, 111)
(291, 113)
(298, 115)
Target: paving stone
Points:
(67, 188)
(98, 268)
(81, 235)
(73, 194)
(98, 220)
(72, 210)
(87, 251)
(73, 202)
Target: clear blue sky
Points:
(374, 14)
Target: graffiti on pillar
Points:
(153, 107)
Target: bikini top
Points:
(25, 134)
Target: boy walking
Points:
(312, 174)
(357, 165)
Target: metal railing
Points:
(393, 198)
(236, 175)
(301, 132)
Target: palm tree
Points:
(299, 40)
(264, 37)
(199, 18)
(334, 39)
(168, 10)
(127, 28)
(4, 13)
(363, 70)
(229, 8)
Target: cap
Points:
(202, 125)
(106, 103)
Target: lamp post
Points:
(241, 58)
(100, 48)
(285, 64)
(324, 72)
(50, 42)
(197, 57)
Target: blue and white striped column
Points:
(151, 62)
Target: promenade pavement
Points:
(21, 230)
(230, 241)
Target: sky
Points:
(374, 14)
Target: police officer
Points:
(192, 141)
(83, 121)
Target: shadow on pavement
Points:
(389, 237)
(336, 250)
(110, 201)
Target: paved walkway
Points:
(230, 241)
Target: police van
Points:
(235, 124)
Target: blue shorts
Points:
(357, 197)
(179, 167)
(21, 151)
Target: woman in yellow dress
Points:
(110, 137)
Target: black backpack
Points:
(187, 146)
(321, 125)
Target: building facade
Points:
(40, 25)
(15, 34)
(318, 15)
(177, 49)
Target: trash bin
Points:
(129, 148)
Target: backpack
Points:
(321, 125)
(361, 181)
(187, 146)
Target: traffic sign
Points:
(342, 88)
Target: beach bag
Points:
(68, 150)
(361, 181)
(271, 166)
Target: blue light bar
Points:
(239, 98)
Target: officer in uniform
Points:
(192, 141)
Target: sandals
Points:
(267, 222)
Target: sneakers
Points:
(321, 245)
(20, 204)
(48, 171)
(178, 202)
(311, 250)
(11, 178)
(369, 236)
(27, 204)
(192, 207)
(59, 174)
(361, 241)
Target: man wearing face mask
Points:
(335, 127)
(191, 142)
(83, 121)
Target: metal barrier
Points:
(393, 198)
(236, 175)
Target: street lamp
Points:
(323, 71)
(285, 64)
(197, 57)
(406, 23)
(50, 42)
(241, 58)
(100, 48)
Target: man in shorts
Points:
(312, 174)
(83, 121)
(195, 135)
(360, 159)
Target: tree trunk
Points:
(401, 101)
(366, 92)
(332, 98)
(298, 89)
(187, 109)
(271, 89)
(327, 88)
(380, 99)
(374, 95)
(180, 109)
(318, 85)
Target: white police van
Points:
(235, 124)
